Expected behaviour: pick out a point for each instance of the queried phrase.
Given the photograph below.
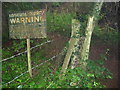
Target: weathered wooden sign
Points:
(26, 25)
(29, 24)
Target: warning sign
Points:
(29, 24)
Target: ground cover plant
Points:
(59, 28)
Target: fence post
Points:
(72, 42)
(29, 57)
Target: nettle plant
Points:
(80, 78)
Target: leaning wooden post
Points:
(72, 42)
(29, 57)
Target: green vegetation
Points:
(44, 76)
(56, 4)
(59, 22)
(77, 78)
(107, 33)
(18, 65)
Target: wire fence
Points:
(33, 68)
(52, 58)
(25, 51)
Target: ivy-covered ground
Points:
(103, 53)
(102, 70)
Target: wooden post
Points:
(72, 42)
(29, 57)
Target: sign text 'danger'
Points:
(29, 24)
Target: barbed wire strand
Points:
(34, 68)
(25, 51)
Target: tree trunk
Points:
(89, 29)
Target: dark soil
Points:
(56, 46)
(97, 48)
(100, 47)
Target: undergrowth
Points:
(44, 77)
(80, 78)
(59, 23)
(15, 66)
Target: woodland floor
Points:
(111, 63)
(97, 48)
